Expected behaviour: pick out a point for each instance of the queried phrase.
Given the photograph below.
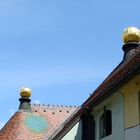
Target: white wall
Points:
(132, 133)
(75, 133)
(114, 103)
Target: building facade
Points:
(112, 112)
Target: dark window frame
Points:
(105, 124)
(88, 127)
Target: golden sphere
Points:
(25, 92)
(131, 34)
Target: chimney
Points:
(131, 39)
(25, 93)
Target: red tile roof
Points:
(38, 124)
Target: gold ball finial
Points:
(131, 34)
(25, 92)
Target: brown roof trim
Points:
(121, 74)
(119, 77)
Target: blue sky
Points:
(62, 49)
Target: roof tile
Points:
(40, 123)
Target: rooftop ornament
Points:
(131, 39)
(131, 34)
(25, 92)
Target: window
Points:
(88, 127)
(105, 124)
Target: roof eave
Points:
(107, 88)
